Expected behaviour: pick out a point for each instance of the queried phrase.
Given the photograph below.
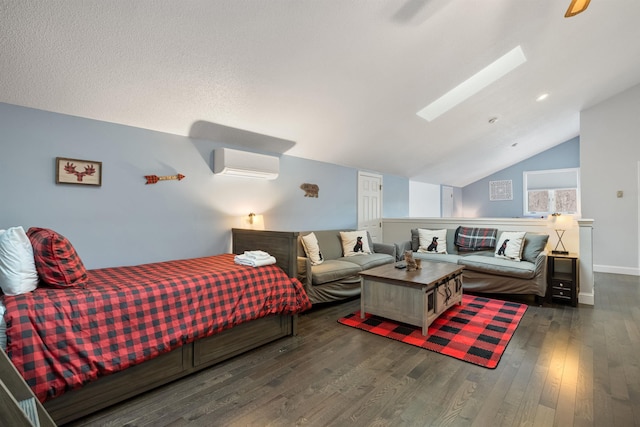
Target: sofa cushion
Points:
(331, 270)
(498, 266)
(369, 261)
(384, 248)
(415, 242)
(432, 240)
(311, 248)
(510, 245)
(355, 243)
(328, 241)
(489, 253)
(429, 256)
(534, 244)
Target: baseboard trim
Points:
(586, 298)
(630, 271)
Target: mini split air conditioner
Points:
(244, 163)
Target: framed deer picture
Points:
(75, 171)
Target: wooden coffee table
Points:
(414, 297)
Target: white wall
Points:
(609, 155)
(424, 199)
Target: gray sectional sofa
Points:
(337, 277)
(486, 273)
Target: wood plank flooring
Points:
(564, 366)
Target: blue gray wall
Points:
(126, 222)
(475, 197)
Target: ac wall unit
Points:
(246, 164)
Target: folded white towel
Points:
(245, 260)
(257, 254)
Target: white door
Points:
(447, 202)
(370, 204)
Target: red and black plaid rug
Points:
(477, 331)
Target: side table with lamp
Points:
(562, 266)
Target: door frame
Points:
(446, 202)
(373, 175)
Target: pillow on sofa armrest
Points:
(401, 248)
(385, 248)
(355, 242)
(510, 245)
(432, 241)
(534, 244)
(312, 248)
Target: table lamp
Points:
(560, 224)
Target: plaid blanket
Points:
(60, 339)
(475, 239)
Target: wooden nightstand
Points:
(562, 278)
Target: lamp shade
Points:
(561, 222)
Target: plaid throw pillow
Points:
(57, 262)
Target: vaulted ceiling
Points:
(338, 81)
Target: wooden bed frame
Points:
(192, 357)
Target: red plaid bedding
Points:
(60, 339)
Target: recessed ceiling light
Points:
(542, 97)
(474, 84)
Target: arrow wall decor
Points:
(152, 179)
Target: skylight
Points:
(474, 84)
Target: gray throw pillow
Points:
(415, 240)
(534, 243)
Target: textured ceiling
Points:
(338, 81)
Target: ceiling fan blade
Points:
(576, 7)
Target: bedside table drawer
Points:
(562, 284)
(561, 288)
(562, 293)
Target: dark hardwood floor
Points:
(564, 366)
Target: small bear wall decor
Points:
(310, 190)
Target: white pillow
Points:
(433, 240)
(510, 245)
(312, 249)
(17, 268)
(355, 242)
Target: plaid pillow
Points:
(57, 262)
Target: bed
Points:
(134, 328)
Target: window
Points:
(549, 191)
